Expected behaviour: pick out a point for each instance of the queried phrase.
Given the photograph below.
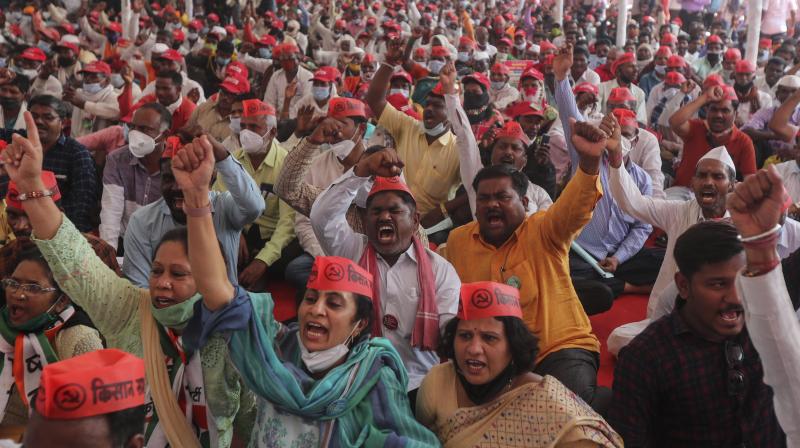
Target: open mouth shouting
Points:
(16, 312)
(163, 302)
(707, 196)
(315, 332)
(386, 234)
(731, 316)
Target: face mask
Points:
(192, 36)
(10, 103)
(140, 144)
(117, 81)
(501, 57)
(45, 46)
(252, 143)
(475, 101)
(178, 315)
(463, 56)
(529, 94)
(643, 63)
(265, 53)
(341, 150)
(713, 58)
(222, 61)
(2, 62)
(600, 61)
(436, 130)
(235, 125)
(320, 93)
(29, 73)
(435, 66)
(497, 85)
(521, 46)
(40, 322)
(403, 92)
(92, 88)
(660, 69)
(324, 359)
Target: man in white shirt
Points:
(776, 15)
(95, 104)
(287, 55)
(392, 255)
(625, 70)
(501, 93)
(580, 71)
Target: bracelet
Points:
(198, 212)
(750, 239)
(758, 269)
(762, 243)
(37, 194)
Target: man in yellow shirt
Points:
(272, 233)
(427, 147)
(532, 254)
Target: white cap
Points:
(535, 48)
(70, 39)
(720, 153)
(159, 48)
(218, 30)
(790, 81)
(480, 56)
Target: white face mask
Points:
(341, 150)
(437, 130)
(403, 92)
(140, 144)
(463, 56)
(236, 125)
(320, 93)
(252, 143)
(435, 66)
(498, 85)
(323, 360)
(92, 88)
(29, 73)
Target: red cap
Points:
(341, 107)
(440, 52)
(285, 48)
(512, 130)
(171, 55)
(500, 68)
(326, 74)
(728, 93)
(437, 90)
(254, 108)
(745, 66)
(51, 33)
(213, 17)
(371, 20)
(622, 59)
(402, 74)
(195, 25)
(626, 117)
(478, 77)
(339, 274)
(231, 30)
(340, 23)
(532, 72)
(678, 21)
(713, 39)
(234, 85)
(546, 45)
(368, 58)
(172, 145)
(178, 36)
(95, 383)
(506, 41)
(620, 95)
(267, 40)
(765, 43)
(419, 51)
(664, 51)
(237, 70)
(676, 61)
(481, 300)
(49, 181)
(388, 184)
(522, 109)
(520, 33)
(464, 40)
(34, 54)
(399, 102)
(67, 27)
(648, 19)
(732, 54)
(585, 87)
(668, 38)
(115, 27)
(674, 78)
(713, 80)
(97, 67)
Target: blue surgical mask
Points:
(222, 61)
(265, 53)
(192, 36)
(92, 88)
(660, 69)
(320, 93)
(45, 46)
(117, 81)
(497, 85)
(435, 66)
(463, 56)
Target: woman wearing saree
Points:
(148, 323)
(487, 395)
(320, 382)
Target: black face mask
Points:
(482, 393)
(65, 62)
(473, 101)
(9, 103)
(713, 58)
(743, 88)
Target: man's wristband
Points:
(46, 193)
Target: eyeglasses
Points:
(11, 285)
(734, 355)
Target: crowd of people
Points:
(452, 188)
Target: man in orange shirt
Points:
(531, 253)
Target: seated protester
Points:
(323, 88)
(233, 210)
(501, 93)
(488, 385)
(729, 60)
(357, 85)
(580, 71)
(464, 58)
(587, 102)
(37, 321)
(133, 318)
(700, 136)
(95, 105)
(415, 289)
(270, 238)
(13, 96)
(66, 158)
(677, 65)
(172, 61)
(612, 238)
(132, 174)
(693, 378)
(168, 94)
(287, 56)
(644, 150)
(750, 98)
(773, 72)
(67, 50)
(209, 70)
(106, 423)
(345, 116)
(31, 64)
(532, 254)
(480, 111)
(711, 63)
(784, 121)
(769, 310)
(325, 363)
(427, 147)
(656, 76)
(769, 144)
(213, 116)
(625, 73)
(257, 54)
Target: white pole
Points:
(754, 8)
(622, 22)
(560, 13)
